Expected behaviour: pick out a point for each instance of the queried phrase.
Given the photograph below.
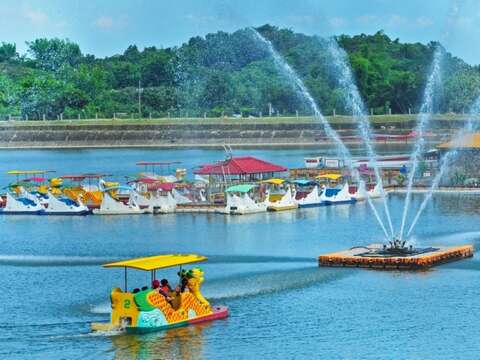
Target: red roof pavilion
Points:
(241, 165)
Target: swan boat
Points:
(21, 205)
(111, 206)
(334, 196)
(306, 199)
(239, 202)
(64, 206)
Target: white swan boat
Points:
(65, 206)
(179, 198)
(239, 202)
(22, 206)
(376, 192)
(305, 198)
(162, 203)
(362, 193)
(110, 206)
(286, 202)
(333, 196)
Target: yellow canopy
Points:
(158, 262)
(273, 181)
(26, 172)
(329, 176)
(468, 141)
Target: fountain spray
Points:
(446, 162)
(287, 70)
(423, 119)
(356, 105)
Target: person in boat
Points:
(177, 297)
(163, 288)
(183, 284)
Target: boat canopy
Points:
(242, 188)
(27, 172)
(144, 181)
(36, 179)
(157, 262)
(329, 176)
(147, 163)
(273, 181)
(303, 182)
(120, 187)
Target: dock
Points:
(368, 257)
(199, 208)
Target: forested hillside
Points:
(222, 74)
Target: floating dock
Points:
(199, 208)
(371, 257)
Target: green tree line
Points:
(223, 74)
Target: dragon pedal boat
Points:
(149, 310)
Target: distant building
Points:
(466, 165)
(240, 169)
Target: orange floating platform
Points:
(371, 257)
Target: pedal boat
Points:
(306, 199)
(335, 196)
(111, 206)
(279, 195)
(239, 201)
(21, 206)
(148, 310)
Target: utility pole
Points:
(140, 98)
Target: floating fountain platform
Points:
(395, 257)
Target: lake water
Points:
(262, 266)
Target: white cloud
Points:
(397, 20)
(337, 22)
(366, 19)
(201, 19)
(61, 24)
(107, 22)
(301, 19)
(424, 21)
(465, 21)
(104, 22)
(36, 17)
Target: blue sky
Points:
(107, 27)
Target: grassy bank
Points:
(340, 119)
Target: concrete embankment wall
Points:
(113, 134)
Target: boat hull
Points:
(113, 212)
(8, 212)
(219, 312)
(311, 205)
(68, 213)
(343, 202)
(282, 208)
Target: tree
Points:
(8, 52)
(52, 54)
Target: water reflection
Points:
(184, 343)
(453, 204)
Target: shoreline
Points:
(443, 190)
(217, 145)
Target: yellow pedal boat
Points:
(149, 309)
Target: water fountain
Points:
(423, 119)
(447, 160)
(290, 74)
(355, 104)
(396, 254)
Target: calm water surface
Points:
(262, 266)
